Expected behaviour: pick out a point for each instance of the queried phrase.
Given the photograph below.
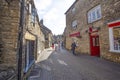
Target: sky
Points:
(53, 13)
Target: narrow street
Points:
(33, 32)
(63, 65)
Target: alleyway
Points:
(62, 65)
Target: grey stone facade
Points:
(110, 13)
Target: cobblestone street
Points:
(62, 65)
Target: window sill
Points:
(114, 51)
(28, 67)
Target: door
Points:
(29, 53)
(94, 45)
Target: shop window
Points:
(114, 37)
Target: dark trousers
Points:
(73, 51)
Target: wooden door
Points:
(94, 45)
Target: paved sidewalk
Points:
(45, 54)
(62, 65)
(42, 57)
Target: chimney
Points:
(41, 21)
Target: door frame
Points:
(94, 51)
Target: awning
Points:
(76, 34)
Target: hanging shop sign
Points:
(29, 36)
(76, 34)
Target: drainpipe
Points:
(20, 39)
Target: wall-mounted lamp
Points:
(98, 28)
(79, 36)
(86, 31)
(92, 28)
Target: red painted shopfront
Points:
(94, 42)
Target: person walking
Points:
(73, 46)
(52, 45)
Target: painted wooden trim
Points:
(114, 24)
(75, 34)
(111, 39)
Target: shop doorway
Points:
(94, 42)
(94, 45)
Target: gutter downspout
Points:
(20, 39)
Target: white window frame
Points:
(30, 8)
(111, 40)
(74, 24)
(93, 14)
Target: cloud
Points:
(52, 12)
(55, 22)
(51, 15)
(42, 6)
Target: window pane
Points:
(29, 53)
(93, 16)
(119, 46)
(98, 13)
(74, 24)
(116, 36)
(97, 41)
(33, 14)
(93, 39)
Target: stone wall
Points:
(9, 22)
(36, 30)
(110, 12)
(83, 40)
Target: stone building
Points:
(48, 35)
(95, 26)
(34, 27)
(20, 36)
